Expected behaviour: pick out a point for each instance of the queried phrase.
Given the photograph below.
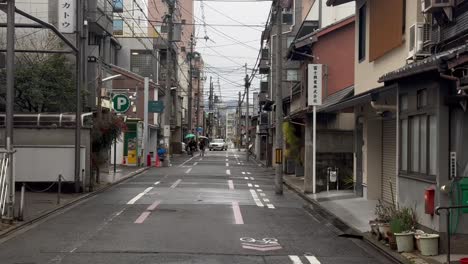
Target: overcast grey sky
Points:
(238, 45)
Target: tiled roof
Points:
(337, 97)
(425, 65)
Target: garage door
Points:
(388, 160)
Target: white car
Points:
(218, 144)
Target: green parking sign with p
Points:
(120, 103)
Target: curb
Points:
(83, 197)
(393, 256)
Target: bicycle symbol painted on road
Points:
(264, 244)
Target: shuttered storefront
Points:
(388, 159)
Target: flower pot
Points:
(405, 242)
(384, 229)
(417, 235)
(429, 244)
(374, 226)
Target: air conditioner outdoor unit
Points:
(419, 37)
(433, 5)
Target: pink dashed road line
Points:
(142, 217)
(146, 213)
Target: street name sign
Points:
(120, 103)
(156, 106)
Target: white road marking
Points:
(256, 186)
(243, 172)
(227, 164)
(249, 173)
(195, 163)
(295, 259)
(249, 184)
(176, 183)
(200, 159)
(73, 250)
(188, 171)
(259, 190)
(238, 163)
(228, 172)
(266, 200)
(185, 162)
(156, 183)
(237, 213)
(270, 206)
(136, 198)
(227, 159)
(246, 178)
(262, 194)
(252, 178)
(312, 260)
(256, 199)
(231, 184)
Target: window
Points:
(419, 144)
(118, 26)
(291, 75)
(403, 102)
(422, 98)
(362, 33)
(141, 62)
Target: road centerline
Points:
(237, 213)
(136, 198)
(176, 183)
(231, 184)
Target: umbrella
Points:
(190, 136)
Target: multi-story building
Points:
(409, 103)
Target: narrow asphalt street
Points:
(215, 209)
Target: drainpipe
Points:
(451, 78)
(378, 107)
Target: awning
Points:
(336, 98)
(363, 98)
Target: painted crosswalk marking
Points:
(246, 178)
(249, 184)
(256, 199)
(297, 260)
(188, 171)
(243, 172)
(228, 172)
(176, 183)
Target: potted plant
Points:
(293, 152)
(402, 225)
(429, 244)
(384, 213)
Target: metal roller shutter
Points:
(388, 160)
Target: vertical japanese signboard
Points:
(67, 16)
(314, 84)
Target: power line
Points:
(230, 18)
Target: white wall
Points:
(331, 14)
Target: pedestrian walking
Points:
(202, 146)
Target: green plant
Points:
(384, 212)
(404, 219)
(293, 142)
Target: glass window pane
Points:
(404, 144)
(415, 144)
(432, 145)
(423, 156)
(403, 103)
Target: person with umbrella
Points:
(192, 145)
(202, 146)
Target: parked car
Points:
(218, 144)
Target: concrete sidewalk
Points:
(356, 212)
(39, 203)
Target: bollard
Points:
(21, 209)
(59, 188)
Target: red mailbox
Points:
(429, 198)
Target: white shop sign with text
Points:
(314, 96)
(67, 16)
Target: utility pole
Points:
(279, 99)
(145, 120)
(239, 115)
(168, 96)
(10, 98)
(210, 108)
(198, 99)
(247, 118)
(190, 91)
(81, 61)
